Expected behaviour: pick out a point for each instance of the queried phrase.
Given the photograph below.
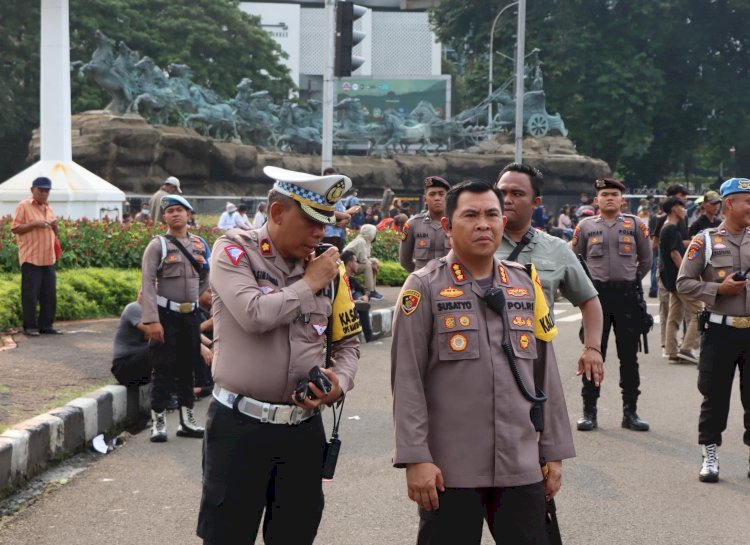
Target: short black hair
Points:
(669, 203)
(330, 170)
(675, 189)
(347, 256)
(242, 208)
(534, 174)
(472, 186)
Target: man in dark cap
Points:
(710, 204)
(715, 271)
(616, 249)
(35, 227)
(423, 238)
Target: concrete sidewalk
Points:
(57, 393)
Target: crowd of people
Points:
(473, 326)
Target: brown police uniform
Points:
(713, 255)
(171, 286)
(616, 252)
(422, 240)
(455, 401)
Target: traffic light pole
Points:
(326, 156)
(520, 65)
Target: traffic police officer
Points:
(617, 249)
(462, 425)
(715, 271)
(422, 238)
(174, 273)
(272, 303)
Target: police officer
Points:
(422, 238)
(272, 302)
(558, 268)
(714, 271)
(174, 273)
(462, 425)
(617, 249)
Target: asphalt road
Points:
(624, 487)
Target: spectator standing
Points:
(539, 217)
(170, 186)
(710, 207)
(361, 247)
(144, 215)
(130, 362)
(35, 227)
(260, 216)
(387, 197)
(395, 208)
(423, 237)
(681, 307)
(227, 219)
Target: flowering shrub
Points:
(88, 243)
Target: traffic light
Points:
(346, 38)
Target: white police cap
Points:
(316, 195)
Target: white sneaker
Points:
(709, 472)
(158, 427)
(687, 355)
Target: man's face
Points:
(609, 200)
(351, 267)
(295, 234)
(680, 211)
(477, 225)
(205, 300)
(434, 199)
(682, 197)
(170, 188)
(518, 197)
(175, 216)
(40, 195)
(737, 208)
(711, 208)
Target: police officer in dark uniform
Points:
(423, 238)
(715, 271)
(616, 248)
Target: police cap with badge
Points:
(315, 195)
(735, 185)
(608, 183)
(171, 200)
(436, 181)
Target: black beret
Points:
(436, 181)
(611, 183)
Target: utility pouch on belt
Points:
(703, 317)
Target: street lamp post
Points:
(489, 77)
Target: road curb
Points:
(30, 447)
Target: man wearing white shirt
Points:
(227, 219)
(260, 216)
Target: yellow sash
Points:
(544, 325)
(345, 316)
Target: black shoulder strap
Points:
(187, 254)
(528, 235)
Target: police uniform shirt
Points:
(177, 281)
(615, 251)
(269, 327)
(422, 240)
(556, 264)
(711, 256)
(455, 401)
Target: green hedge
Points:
(81, 294)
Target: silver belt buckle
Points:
(296, 415)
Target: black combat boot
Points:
(631, 420)
(588, 421)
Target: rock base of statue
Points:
(138, 157)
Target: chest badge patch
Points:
(174, 258)
(594, 240)
(235, 253)
(464, 321)
(627, 224)
(452, 292)
(503, 274)
(320, 328)
(265, 290)
(521, 321)
(265, 248)
(410, 301)
(524, 341)
(449, 322)
(722, 274)
(458, 272)
(422, 243)
(627, 248)
(517, 292)
(718, 240)
(458, 342)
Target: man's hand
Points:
(592, 364)
(206, 354)
(423, 482)
(320, 397)
(553, 479)
(322, 270)
(154, 332)
(730, 286)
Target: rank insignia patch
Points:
(576, 234)
(458, 342)
(644, 229)
(404, 231)
(524, 341)
(521, 321)
(235, 253)
(410, 301)
(458, 272)
(464, 321)
(265, 247)
(503, 274)
(517, 292)
(627, 224)
(449, 322)
(452, 292)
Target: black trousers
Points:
(173, 360)
(515, 516)
(621, 313)
(38, 286)
(133, 369)
(249, 467)
(723, 348)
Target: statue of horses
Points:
(293, 138)
(403, 133)
(218, 120)
(101, 68)
(156, 98)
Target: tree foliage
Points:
(221, 44)
(652, 87)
